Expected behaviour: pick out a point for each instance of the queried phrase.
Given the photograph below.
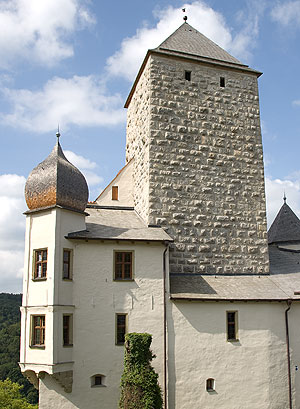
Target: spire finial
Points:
(185, 17)
(57, 133)
(284, 197)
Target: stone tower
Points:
(194, 131)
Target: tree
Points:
(139, 382)
(10, 396)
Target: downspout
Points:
(289, 303)
(165, 325)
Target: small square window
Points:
(210, 385)
(67, 264)
(67, 330)
(123, 265)
(121, 328)
(40, 264)
(188, 75)
(115, 193)
(37, 330)
(231, 325)
(222, 82)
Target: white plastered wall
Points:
(97, 298)
(250, 373)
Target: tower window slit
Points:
(188, 75)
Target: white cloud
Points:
(287, 13)
(86, 167)
(81, 101)
(296, 102)
(38, 30)
(12, 230)
(275, 189)
(127, 60)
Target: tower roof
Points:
(286, 226)
(187, 40)
(56, 182)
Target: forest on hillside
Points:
(10, 344)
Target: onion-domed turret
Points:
(55, 181)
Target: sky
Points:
(72, 63)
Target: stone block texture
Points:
(198, 169)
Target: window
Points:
(210, 385)
(67, 330)
(231, 325)
(188, 75)
(121, 328)
(123, 265)
(40, 264)
(67, 264)
(222, 82)
(115, 193)
(97, 380)
(38, 330)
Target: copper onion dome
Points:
(56, 182)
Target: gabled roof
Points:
(188, 40)
(286, 226)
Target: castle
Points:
(176, 246)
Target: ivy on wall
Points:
(139, 382)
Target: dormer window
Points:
(115, 193)
(188, 75)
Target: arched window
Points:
(97, 380)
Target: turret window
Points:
(67, 330)
(38, 331)
(40, 264)
(222, 82)
(67, 264)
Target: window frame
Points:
(70, 265)
(123, 263)
(235, 323)
(35, 276)
(116, 327)
(34, 327)
(69, 330)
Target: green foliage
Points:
(10, 396)
(139, 383)
(10, 344)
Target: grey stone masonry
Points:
(199, 164)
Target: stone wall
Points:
(203, 155)
(137, 142)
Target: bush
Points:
(139, 382)
(10, 396)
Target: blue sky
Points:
(73, 62)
